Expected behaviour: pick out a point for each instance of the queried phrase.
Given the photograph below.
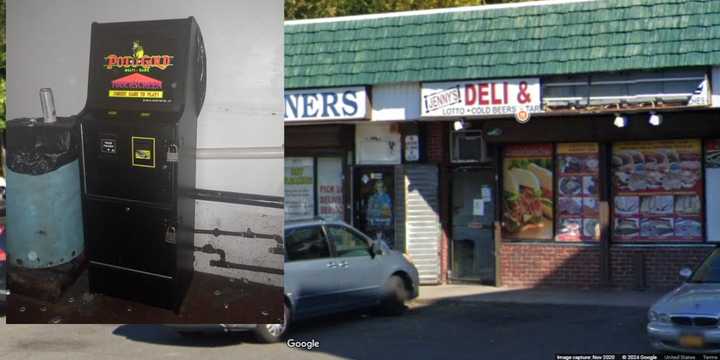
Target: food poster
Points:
(299, 195)
(578, 192)
(528, 192)
(657, 188)
(712, 184)
(712, 154)
(331, 205)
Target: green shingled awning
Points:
(537, 40)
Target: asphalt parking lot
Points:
(444, 329)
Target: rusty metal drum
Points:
(43, 204)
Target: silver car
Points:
(687, 318)
(331, 267)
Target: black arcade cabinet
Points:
(145, 90)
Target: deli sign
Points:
(480, 97)
(349, 103)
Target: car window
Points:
(306, 243)
(709, 271)
(347, 243)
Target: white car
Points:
(688, 318)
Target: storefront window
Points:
(578, 192)
(299, 188)
(330, 188)
(314, 187)
(528, 192)
(712, 178)
(658, 191)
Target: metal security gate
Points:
(422, 220)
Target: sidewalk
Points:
(558, 296)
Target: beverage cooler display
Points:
(145, 90)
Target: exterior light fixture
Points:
(620, 121)
(459, 125)
(655, 119)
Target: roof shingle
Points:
(569, 38)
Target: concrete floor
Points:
(210, 299)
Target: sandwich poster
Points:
(528, 192)
(578, 189)
(658, 188)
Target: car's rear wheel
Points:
(270, 333)
(396, 295)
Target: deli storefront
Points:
(590, 180)
(516, 155)
(584, 181)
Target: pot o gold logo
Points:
(138, 59)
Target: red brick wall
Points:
(535, 265)
(436, 136)
(444, 251)
(552, 265)
(662, 265)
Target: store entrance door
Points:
(374, 201)
(473, 216)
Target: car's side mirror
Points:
(375, 249)
(685, 273)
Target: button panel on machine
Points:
(108, 146)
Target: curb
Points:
(419, 303)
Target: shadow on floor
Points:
(167, 335)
